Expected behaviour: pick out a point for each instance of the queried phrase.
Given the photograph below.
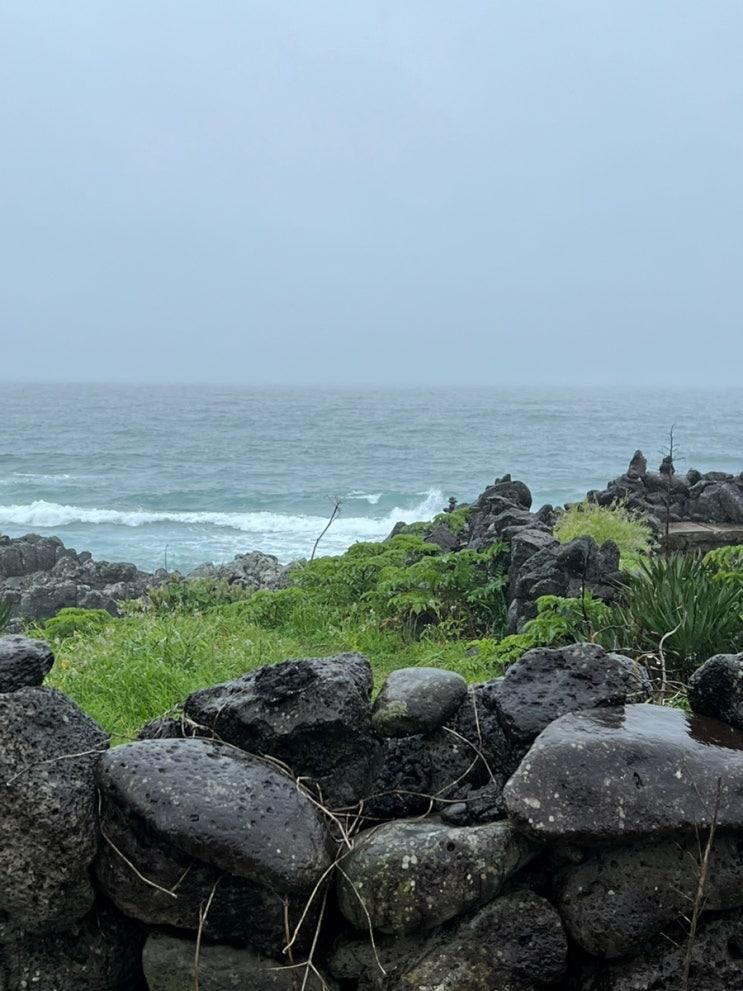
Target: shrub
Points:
(726, 564)
(344, 581)
(193, 595)
(269, 608)
(464, 591)
(457, 520)
(628, 530)
(69, 622)
(681, 601)
(5, 608)
(559, 621)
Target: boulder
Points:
(355, 960)
(620, 897)
(716, 961)
(178, 886)
(222, 807)
(565, 570)
(254, 570)
(314, 715)
(169, 965)
(407, 876)
(39, 576)
(719, 502)
(100, 953)
(547, 683)
(515, 943)
(417, 700)
(49, 750)
(628, 772)
(716, 689)
(442, 536)
(24, 663)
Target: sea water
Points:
(177, 475)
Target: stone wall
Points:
(545, 830)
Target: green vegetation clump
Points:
(402, 602)
(629, 531)
(140, 666)
(193, 595)
(558, 622)
(684, 606)
(726, 564)
(457, 520)
(70, 622)
(5, 608)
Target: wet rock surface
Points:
(644, 888)
(313, 714)
(412, 876)
(153, 882)
(169, 966)
(626, 772)
(222, 807)
(546, 684)
(417, 700)
(716, 689)
(48, 753)
(24, 663)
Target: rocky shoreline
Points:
(39, 575)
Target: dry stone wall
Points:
(545, 830)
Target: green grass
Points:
(139, 667)
(630, 532)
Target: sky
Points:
(384, 192)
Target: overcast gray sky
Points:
(371, 191)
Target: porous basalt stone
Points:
(716, 961)
(716, 689)
(312, 714)
(415, 875)
(100, 953)
(628, 772)
(620, 897)
(169, 964)
(152, 881)
(222, 807)
(515, 943)
(49, 836)
(547, 683)
(24, 663)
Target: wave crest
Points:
(49, 515)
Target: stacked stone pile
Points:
(712, 497)
(551, 829)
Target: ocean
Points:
(178, 475)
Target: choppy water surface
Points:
(187, 474)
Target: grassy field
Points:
(139, 667)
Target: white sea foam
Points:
(371, 497)
(49, 515)
(34, 477)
